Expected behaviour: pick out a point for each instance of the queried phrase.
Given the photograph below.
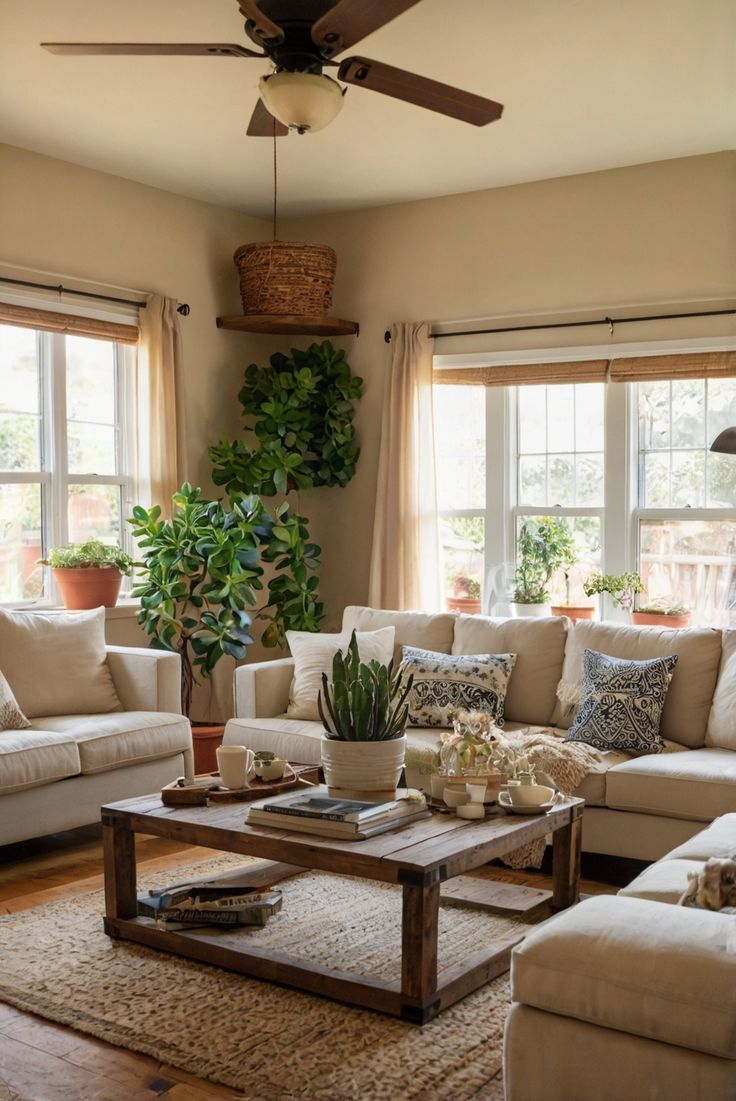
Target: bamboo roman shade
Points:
(622, 369)
(52, 322)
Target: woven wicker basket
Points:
(286, 277)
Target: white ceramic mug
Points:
(235, 763)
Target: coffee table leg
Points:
(420, 917)
(566, 844)
(120, 872)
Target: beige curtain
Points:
(160, 404)
(405, 554)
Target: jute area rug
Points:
(268, 1042)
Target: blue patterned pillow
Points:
(462, 682)
(621, 703)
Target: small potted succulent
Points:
(89, 574)
(364, 710)
(621, 587)
(662, 614)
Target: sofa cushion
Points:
(699, 784)
(663, 972)
(689, 697)
(664, 881)
(721, 730)
(11, 716)
(57, 664)
(30, 758)
(719, 839)
(621, 703)
(313, 655)
(539, 645)
(428, 631)
(444, 683)
(123, 738)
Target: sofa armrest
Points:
(146, 680)
(666, 973)
(262, 689)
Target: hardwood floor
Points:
(41, 1061)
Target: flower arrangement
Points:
(476, 746)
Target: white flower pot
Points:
(535, 611)
(363, 770)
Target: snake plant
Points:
(364, 703)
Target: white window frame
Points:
(620, 513)
(54, 476)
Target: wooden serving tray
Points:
(260, 789)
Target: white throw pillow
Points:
(313, 654)
(57, 664)
(11, 716)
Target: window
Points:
(65, 452)
(626, 465)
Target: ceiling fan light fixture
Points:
(302, 101)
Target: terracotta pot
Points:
(89, 588)
(363, 770)
(574, 611)
(206, 740)
(469, 605)
(653, 619)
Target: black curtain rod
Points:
(182, 308)
(610, 321)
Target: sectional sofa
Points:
(638, 807)
(629, 996)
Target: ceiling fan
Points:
(300, 38)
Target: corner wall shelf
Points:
(289, 324)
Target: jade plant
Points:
(545, 545)
(300, 410)
(363, 703)
(621, 587)
(92, 555)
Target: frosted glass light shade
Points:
(302, 101)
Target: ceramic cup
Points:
(270, 770)
(454, 798)
(235, 764)
(476, 792)
(530, 795)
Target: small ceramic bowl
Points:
(270, 770)
(470, 810)
(530, 795)
(455, 798)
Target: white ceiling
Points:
(587, 85)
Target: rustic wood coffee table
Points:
(420, 857)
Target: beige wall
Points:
(654, 233)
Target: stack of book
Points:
(316, 812)
(210, 903)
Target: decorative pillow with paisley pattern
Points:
(465, 682)
(621, 702)
(11, 716)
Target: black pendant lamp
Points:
(725, 442)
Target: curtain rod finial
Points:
(184, 309)
(387, 336)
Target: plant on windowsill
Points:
(364, 711)
(621, 587)
(89, 574)
(568, 609)
(545, 545)
(662, 614)
(465, 595)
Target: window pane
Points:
(19, 400)
(462, 539)
(589, 433)
(589, 480)
(692, 563)
(586, 532)
(654, 415)
(532, 480)
(721, 406)
(688, 479)
(94, 513)
(460, 445)
(532, 420)
(21, 578)
(656, 489)
(560, 418)
(688, 413)
(561, 480)
(721, 480)
(91, 448)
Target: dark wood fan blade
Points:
(350, 20)
(263, 27)
(431, 94)
(170, 49)
(263, 125)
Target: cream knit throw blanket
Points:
(567, 763)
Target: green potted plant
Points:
(621, 587)
(364, 710)
(465, 595)
(568, 558)
(662, 614)
(89, 574)
(544, 546)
